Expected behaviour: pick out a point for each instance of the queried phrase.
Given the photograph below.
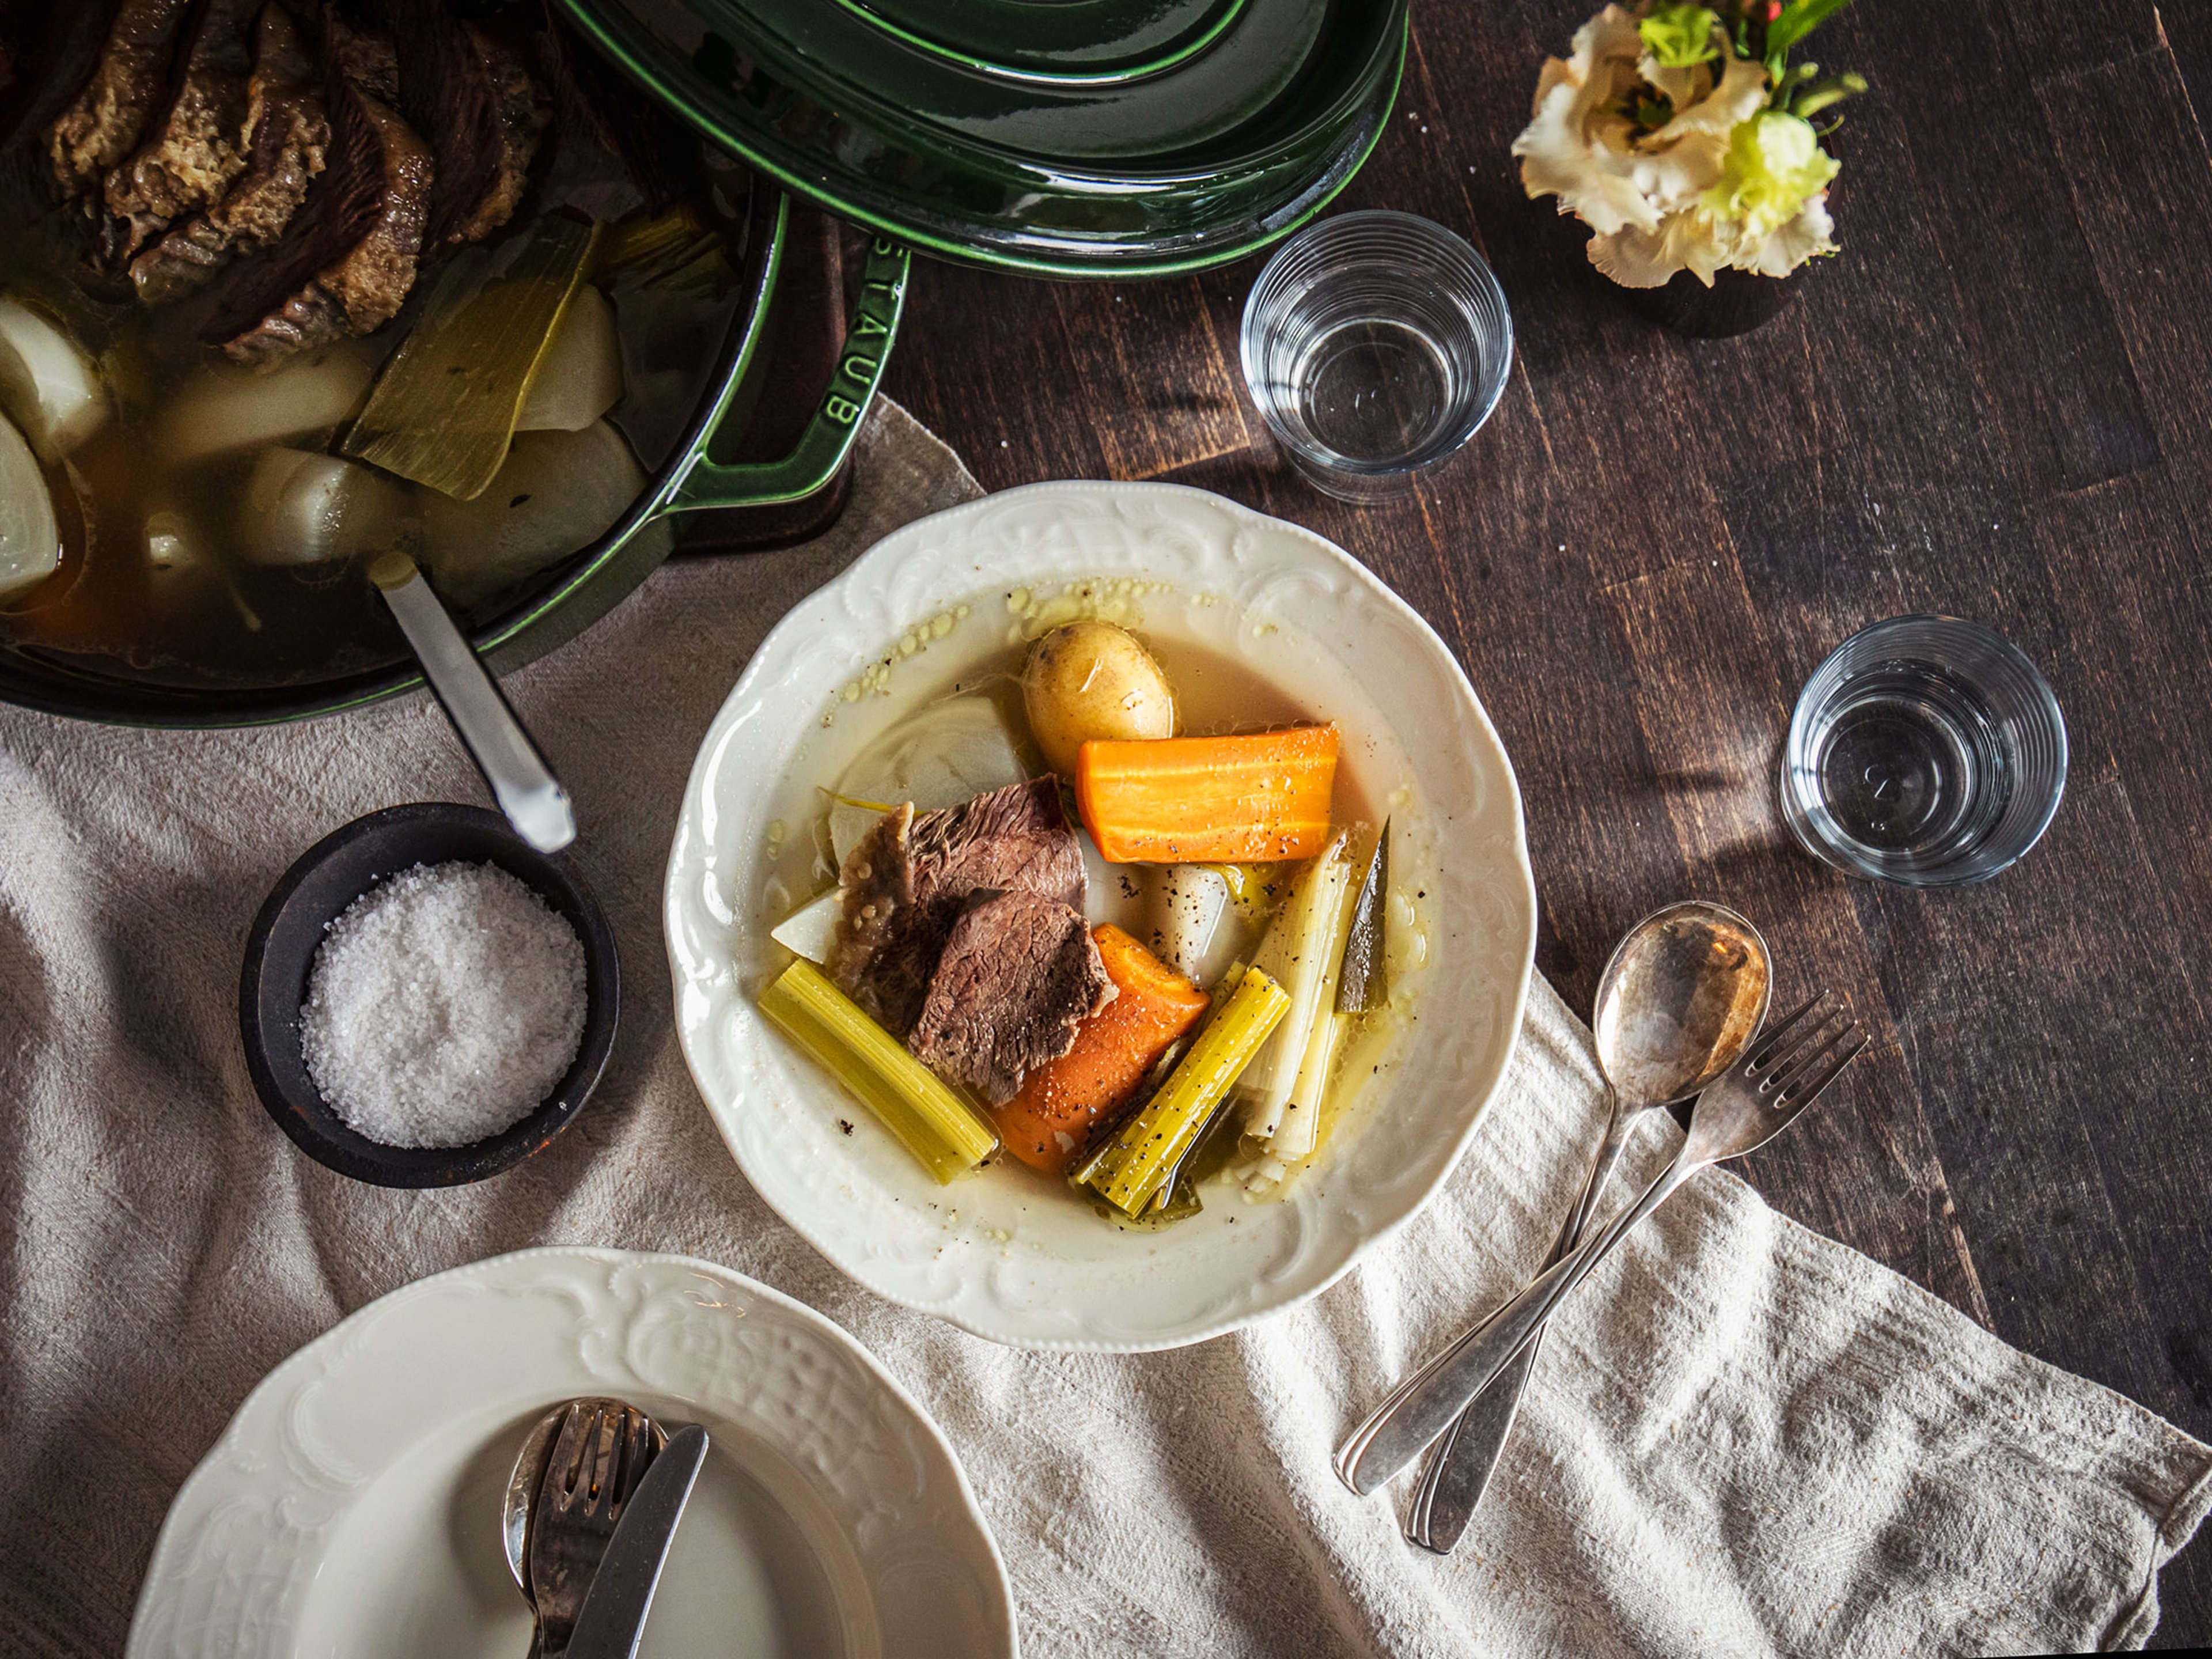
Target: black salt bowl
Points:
(279, 952)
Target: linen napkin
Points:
(1742, 1438)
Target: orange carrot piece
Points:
(1259, 799)
(1047, 1123)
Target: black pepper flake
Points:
(843, 1125)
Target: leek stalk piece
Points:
(1138, 1160)
(1301, 952)
(444, 409)
(1364, 984)
(930, 1121)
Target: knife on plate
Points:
(613, 1616)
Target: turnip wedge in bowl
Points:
(1100, 915)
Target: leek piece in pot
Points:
(930, 1121)
(224, 407)
(444, 409)
(30, 539)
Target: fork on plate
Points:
(597, 1460)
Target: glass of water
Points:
(1925, 751)
(1375, 345)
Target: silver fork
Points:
(597, 1462)
(1746, 1108)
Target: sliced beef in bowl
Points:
(1017, 975)
(910, 877)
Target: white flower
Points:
(1653, 198)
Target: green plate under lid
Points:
(1068, 137)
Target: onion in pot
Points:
(49, 387)
(30, 539)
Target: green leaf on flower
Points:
(1798, 19)
(1679, 36)
(1774, 165)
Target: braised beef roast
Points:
(288, 130)
(345, 265)
(129, 77)
(467, 93)
(1017, 975)
(910, 877)
(195, 147)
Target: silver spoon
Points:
(1681, 998)
(521, 1500)
(521, 782)
(1754, 1101)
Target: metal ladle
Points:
(1681, 998)
(521, 782)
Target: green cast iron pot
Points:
(588, 584)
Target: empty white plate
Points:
(353, 1505)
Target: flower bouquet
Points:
(1684, 137)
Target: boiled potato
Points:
(1091, 679)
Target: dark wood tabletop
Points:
(1996, 401)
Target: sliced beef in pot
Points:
(195, 148)
(1017, 975)
(345, 265)
(287, 132)
(130, 77)
(466, 91)
(907, 880)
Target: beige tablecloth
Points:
(1742, 1439)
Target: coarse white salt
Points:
(443, 1005)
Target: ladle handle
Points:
(1459, 1471)
(521, 782)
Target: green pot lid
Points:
(1071, 137)
(1070, 41)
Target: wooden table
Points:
(1996, 401)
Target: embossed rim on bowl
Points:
(954, 1252)
(220, 1581)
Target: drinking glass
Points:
(1925, 751)
(1375, 345)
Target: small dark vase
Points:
(1737, 302)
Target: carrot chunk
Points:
(1045, 1124)
(1259, 799)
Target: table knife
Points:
(621, 1595)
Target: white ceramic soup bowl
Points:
(1003, 1252)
